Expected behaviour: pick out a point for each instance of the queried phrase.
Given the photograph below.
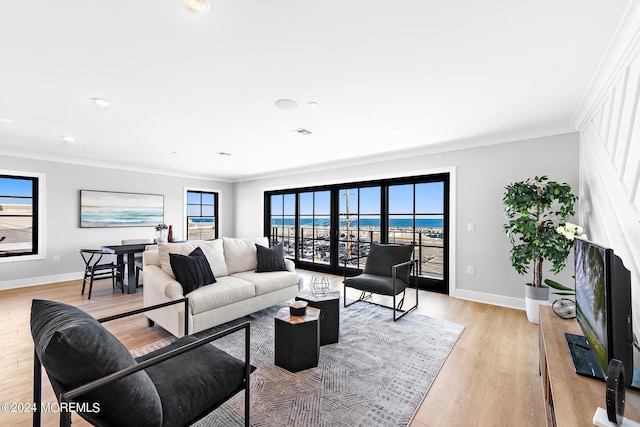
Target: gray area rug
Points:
(377, 375)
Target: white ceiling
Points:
(185, 86)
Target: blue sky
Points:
(15, 187)
(429, 200)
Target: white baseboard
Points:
(35, 281)
(502, 301)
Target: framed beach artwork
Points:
(103, 209)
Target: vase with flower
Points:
(162, 231)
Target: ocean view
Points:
(423, 223)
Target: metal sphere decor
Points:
(319, 286)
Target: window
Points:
(314, 239)
(329, 227)
(359, 224)
(416, 215)
(283, 221)
(202, 215)
(20, 215)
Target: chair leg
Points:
(84, 282)
(90, 287)
(37, 389)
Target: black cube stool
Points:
(297, 339)
(329, 306)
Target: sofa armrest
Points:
(162, 283)
(291, 266)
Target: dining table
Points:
(130, 251)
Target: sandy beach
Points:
(15, 228)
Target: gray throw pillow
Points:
(270, 259)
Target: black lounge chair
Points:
(387, 272)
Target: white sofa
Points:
(239, 290)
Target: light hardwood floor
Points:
(490, 378)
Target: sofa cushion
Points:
(75, 349)
(240, 254)
(270, 259)
(212, 249)
(226, 291)
(209, 373)
(191, 271)
(270, 281)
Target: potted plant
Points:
(535, 208)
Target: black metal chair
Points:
(94, 269)
(387, 272)
(93, 374)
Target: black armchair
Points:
(93, 374)
(387, 272)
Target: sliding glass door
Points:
(331, 228)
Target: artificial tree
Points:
(535, 208)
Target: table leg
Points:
(120, 278)
(131, 273)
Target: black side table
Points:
(329, 306)
(297, 339)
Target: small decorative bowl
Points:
(298, 308)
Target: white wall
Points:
(610, 152)
(480, 175)
(62, 233)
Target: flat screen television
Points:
(603, 305)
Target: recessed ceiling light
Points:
(200, 6)
(286, 104)
(68, 138)
(302, 131)
(5, 120)
(101, 102)
(312, 104)
(392, 131)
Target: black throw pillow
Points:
(192, 271)
(270, 259)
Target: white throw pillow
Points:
(240, 254)
(213, 250)
(164, 249)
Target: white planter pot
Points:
(533, 297)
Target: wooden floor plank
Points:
(490, 378)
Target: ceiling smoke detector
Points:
(302, 131)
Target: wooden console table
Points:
(570, 399)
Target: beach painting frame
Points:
(108, 209)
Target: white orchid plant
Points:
(571, 232)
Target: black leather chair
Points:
(93, 374)
(95, 269)
(387, 272)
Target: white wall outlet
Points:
(471, 226)
(56, 258)
(471, 270)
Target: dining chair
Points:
(138, 256)
(95, 269)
